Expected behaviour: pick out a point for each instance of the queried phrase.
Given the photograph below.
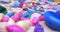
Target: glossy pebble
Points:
(3, 10)
(38, 28)
(26, 15)
(5, 19)
(10, 14)
(35, 21)
(14, 28)
(24, 24)
(41, 18)
(34, 15)
(16, 3)
(10, 22)
(25, 9)
(17, 16)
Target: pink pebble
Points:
(17, 16)
(25, 2)
(35, 21)
(24, 18)
(41, 18)
(15, 28)
(5, 19)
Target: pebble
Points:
(1, 16)
(24, 24)
(10, 22)
(3, 10)
(10, 14)
(38, 28)
(34, 15)
(14, 28)
(41, 18)
(35, 21)
(17, 16)
(5, 19)
(26, 15)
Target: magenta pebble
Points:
(17, 16)
(15, 28)
(41, 18)
(35, 21)
(5, 19)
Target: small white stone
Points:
(10, 22)
(34, 15)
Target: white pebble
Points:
(10, 22)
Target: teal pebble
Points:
(3, 10)
(51, 0)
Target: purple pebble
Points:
(25, 9)
(38, 3)
(38, 28)
(5, 19)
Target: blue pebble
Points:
(10, 14)
(26, 15)
(31, 11)
(16, 3)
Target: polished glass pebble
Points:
(38, 28)
(10, 14)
